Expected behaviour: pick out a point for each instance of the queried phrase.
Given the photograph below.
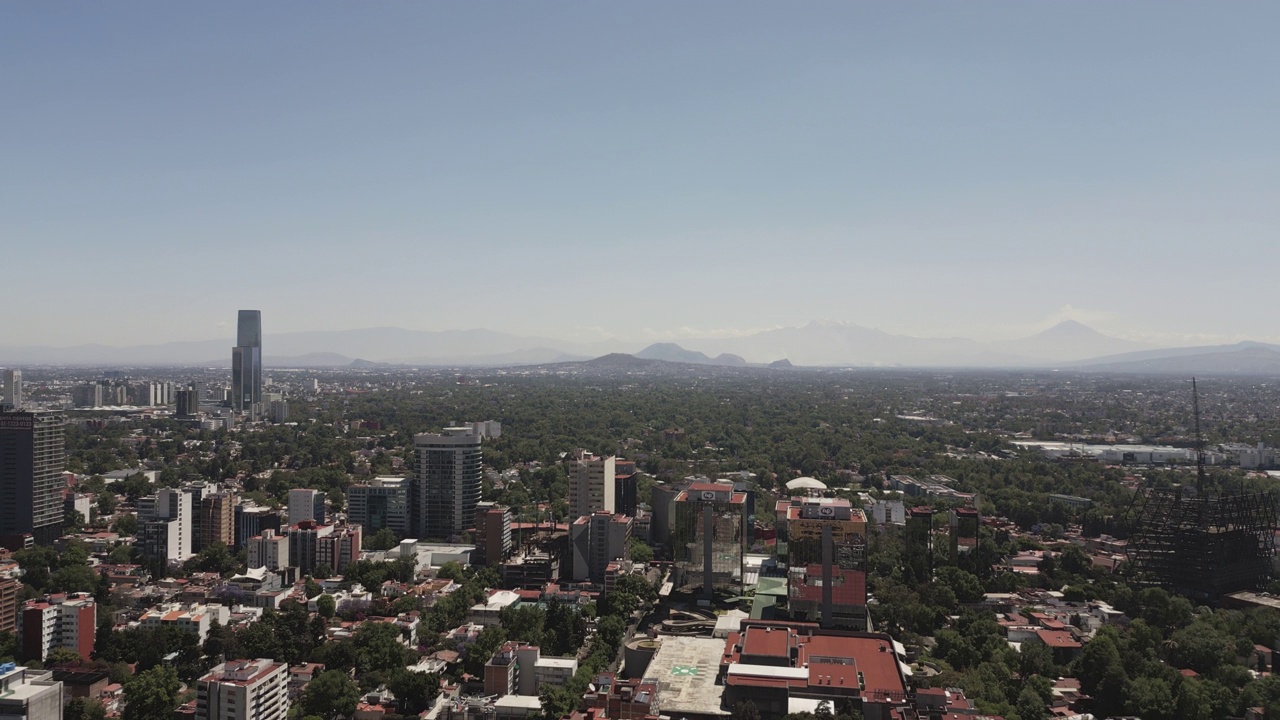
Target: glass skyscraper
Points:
(246, 365)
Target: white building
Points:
(166, 525)
(12, 389)
(27, 694)
(889, 512)
(268, 550)
(191, 618)
(244, 690)
(305, 504)
(554, 671)
(591, 483)
(488, 612)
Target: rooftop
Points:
(685, 669)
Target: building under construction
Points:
(1199, 545)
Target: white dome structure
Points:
(805, 483)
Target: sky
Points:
(638, 170)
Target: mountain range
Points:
(1067, 345)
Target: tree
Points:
(378, 648)
(331, 694)
(152, 694)
(384, 539)
(322, 572)
(79, 708)
(415, 690)
(62, 656)
(126, 524)
(326, 606)
(1151, 699)
(746, 710)
(642, 553)
(1030, 706)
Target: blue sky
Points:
(640, 170)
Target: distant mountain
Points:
(1066, 341)
(672, 352)
(1246, 358)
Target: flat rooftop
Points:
(685, 670)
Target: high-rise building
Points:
(188, 402)
(919, 542)
(246, 365)
(624, 488)
(964, 531)
(596, 540)
(306, 504)
(12, 389)
(339, 548)
(382, 503)
(27, 694)
(87, 396)
(55, 621)
(244, 690)
(10, 589)
(167, 528)
(591, 483)
(827, 555)
(493, 533)
(446, 483)
(304, 545)
(217, 519)
(268, 550)
(32, 455)
(709, 538)
(251, 520)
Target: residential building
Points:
(446, 483)
(591, 483)
(268, 550)
(27, 694)
(519, 668)
(278, 412)
(304, 545)
(12, 389)
(217, 519)
(32, 458)
(382, 503)
(493, 533)
(246, 365)
(305, 505)
(188, 403)
(625, 488)
(596, 540)
(244, 690)
(339, 548)
(166, 527)
(10, 589)
(55, 621)
(195, 618)
(708, 537)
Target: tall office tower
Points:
(964, 531)
(446, 483)
(246, 365)
(12, 389)
(87, 396)
(383, 503)
(827, 555)
(188, 402)
(591, 483)
(709, 538)
(244, 690)
(919, 543)
(624, 488)
(493, 533)
(251, 520)
(306, 504)
(217, 519)
(32, 454)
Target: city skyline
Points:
(719, 169)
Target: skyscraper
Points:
(32, 454)
(446, 483)
(246, 365)
(12, 389)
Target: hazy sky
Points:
(642, 170)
